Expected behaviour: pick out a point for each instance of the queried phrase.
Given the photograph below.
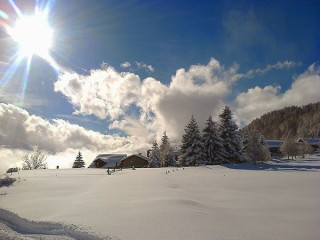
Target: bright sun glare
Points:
(33, 34)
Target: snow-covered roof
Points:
(311, 141)
(274, 143)
(111, 160)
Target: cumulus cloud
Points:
(200, 90)
(104, 92)
(125, 65)
(131, 126)
(257, 101)
(20, 131)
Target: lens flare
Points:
(4, 15)
(33, 35)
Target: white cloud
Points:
(200, 90)
(104, 93)
(257, 101)
(10, 158)
(145, 66)
(125, 65)
(278, 65)
(20, 131)
(131, 126)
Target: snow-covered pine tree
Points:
(212, 142)
(263, 140)
(265, 149)
(164, 150)
(78, 163)
(237, 143)
(155, 156)
(192, 147)
(172, 157)
(230, 137)
(245, 144)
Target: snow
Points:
(15, 226)
(278, 200)
(111, 160)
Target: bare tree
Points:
(305, 148)
(289, 147)
(256, 149)
(34, 160)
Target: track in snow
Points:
(14, 227)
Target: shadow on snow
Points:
(280, 165)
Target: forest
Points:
(293, 121)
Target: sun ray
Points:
(25, 79)
(16, 9)
(33, 35)
(11, 70)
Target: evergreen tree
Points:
(172, 157)
(245, 143)
(155, 156)
(78, 163)
(262, 140)
(212, 142)
(192, 148)
(230, 137)
(164, 150)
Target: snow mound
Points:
(14, 227)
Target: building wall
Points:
(135, 161)
(99, 163)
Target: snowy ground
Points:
(279, 200)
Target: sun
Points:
(33, 35)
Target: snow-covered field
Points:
(279, 200)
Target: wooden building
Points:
(136, 160)
(107, 161)
(313, 142)
(274, 147)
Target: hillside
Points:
(290, 121)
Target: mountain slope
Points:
(290, 121)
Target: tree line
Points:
(223, 142)
(217, 143)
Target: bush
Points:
(11, 170)
(7, 181)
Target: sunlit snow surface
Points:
(278, 200)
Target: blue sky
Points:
(132, 69)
